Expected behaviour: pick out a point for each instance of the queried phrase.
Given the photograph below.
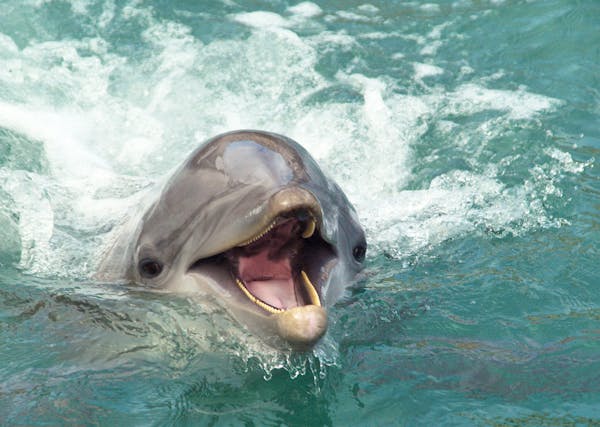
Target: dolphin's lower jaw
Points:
(281, 268)
(302, 326)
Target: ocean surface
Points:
(466, 133)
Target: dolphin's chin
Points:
(280, 274)
(302, 326)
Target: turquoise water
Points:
(466, 133)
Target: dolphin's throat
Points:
(269, 269)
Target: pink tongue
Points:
(269, 280)
(277, 293)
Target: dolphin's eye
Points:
(359, 252)
(150, 268)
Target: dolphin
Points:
(250, 218)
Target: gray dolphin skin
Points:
(250, 218)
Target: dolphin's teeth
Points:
(310, 228)
(310, 288)
(255, 300)
(257, 237)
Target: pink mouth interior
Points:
(265, 266)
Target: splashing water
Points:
(463, 132)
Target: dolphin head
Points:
(250, 218)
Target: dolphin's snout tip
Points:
(302, 326)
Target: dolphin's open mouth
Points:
(273, 268)
(281, 272)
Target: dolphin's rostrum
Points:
(251, 218)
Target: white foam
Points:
(7, 45)
(61, 132)
(306, 9)
(80, 6)
(108, 13)
(431, 48)
(328, 41)
(436, 31)
(378, 35)
(430, 43)
(520, 104)
(261, 19)
(368, 8)
(373, 161)
(353, 16)
(36, 218)
(430, 7)
(455, 204)
(403, 223)
(466, 70)
(566, 162)
(426, 70)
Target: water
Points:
(466, 133)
